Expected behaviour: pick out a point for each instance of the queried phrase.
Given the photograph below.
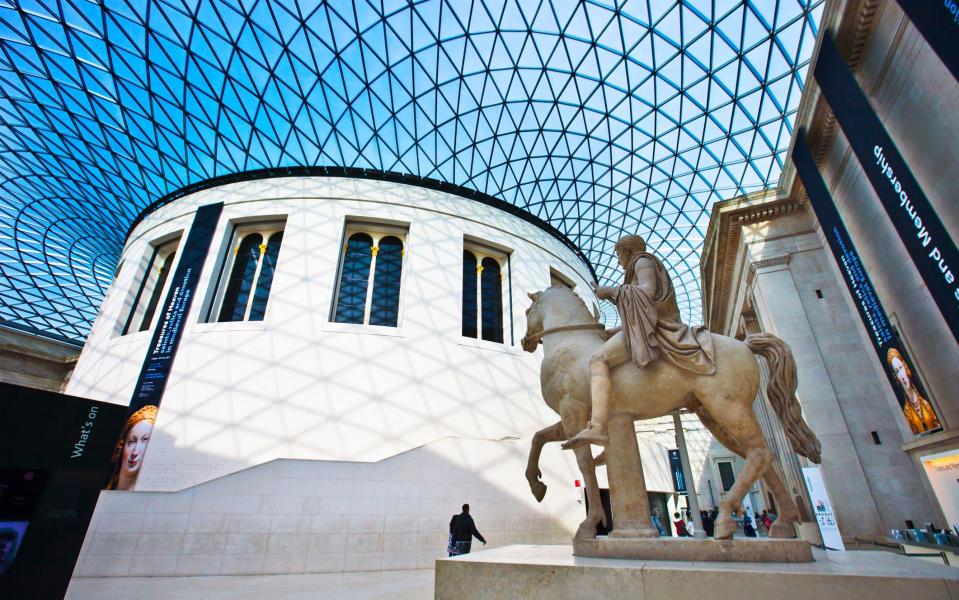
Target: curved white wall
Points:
(297, 386)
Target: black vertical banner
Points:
(54, 457)
(676, 467)
(155, 372)
(938, 22)
(918, 412)
(929, 245)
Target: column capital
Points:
(772, 261)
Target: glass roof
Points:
(600, 118)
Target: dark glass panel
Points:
(726, 475)
(241, 279)
(157, 290)
(385, 309)
(469, 294)
(351, 302)
(492, 291)
(265, 281)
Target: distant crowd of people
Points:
(684, 527)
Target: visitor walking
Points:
(748, 528)
(680, 525)
(657, 522)
(767, 521)
(462, 532)
(707, 522)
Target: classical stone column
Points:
(779, 306)
(692, 501)
(627, 484)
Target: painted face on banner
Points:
(902, 374)
(135, 445)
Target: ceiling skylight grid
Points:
(600, 118)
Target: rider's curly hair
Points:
(630, 244)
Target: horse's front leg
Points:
(553, 433)
(575, 415)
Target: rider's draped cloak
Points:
(653, 328)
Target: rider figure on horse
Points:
(651, 328)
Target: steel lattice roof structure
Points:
(601, 118)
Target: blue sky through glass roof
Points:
(600, 118)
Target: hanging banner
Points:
(55, 453)
(132, 445)
(676, 467)
(822, 508)
(938, 22)
(929, 245)
(916, 409)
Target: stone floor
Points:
(398, 585)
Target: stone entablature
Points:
(35, 361)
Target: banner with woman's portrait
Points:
(131, 447)
(917, 410)
(919, 413)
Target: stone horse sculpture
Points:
(723, 401)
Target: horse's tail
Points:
(781, 392)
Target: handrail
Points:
(899, 547)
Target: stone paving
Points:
(394, 585)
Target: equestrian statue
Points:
(651, 366)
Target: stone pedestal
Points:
(553, 572)
(627, 485)
(753, 550)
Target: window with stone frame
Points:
(370, 275)
(246, 275)
(151, 286)
(486, 293)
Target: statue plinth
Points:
(552, 572)
(692, 549)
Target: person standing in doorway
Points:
(462, 532)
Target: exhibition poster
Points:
(822, 508)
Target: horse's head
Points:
(534, 322)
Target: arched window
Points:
(371, 274)
(152, 286)
(240, 282)
(246, 277)
(469, 294)
(355, 277)
(491, 300)
(385, 306)
(485, 293)
(265, 280)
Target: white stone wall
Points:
(296, 385)
(304, 516)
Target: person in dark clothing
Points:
(462, 532)
(748, 528)
(707, 522)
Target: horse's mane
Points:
(582, 303)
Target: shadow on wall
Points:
(302, 516)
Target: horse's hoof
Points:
(724, 530)
(586, 532)
(783, 531)
(539, 490)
